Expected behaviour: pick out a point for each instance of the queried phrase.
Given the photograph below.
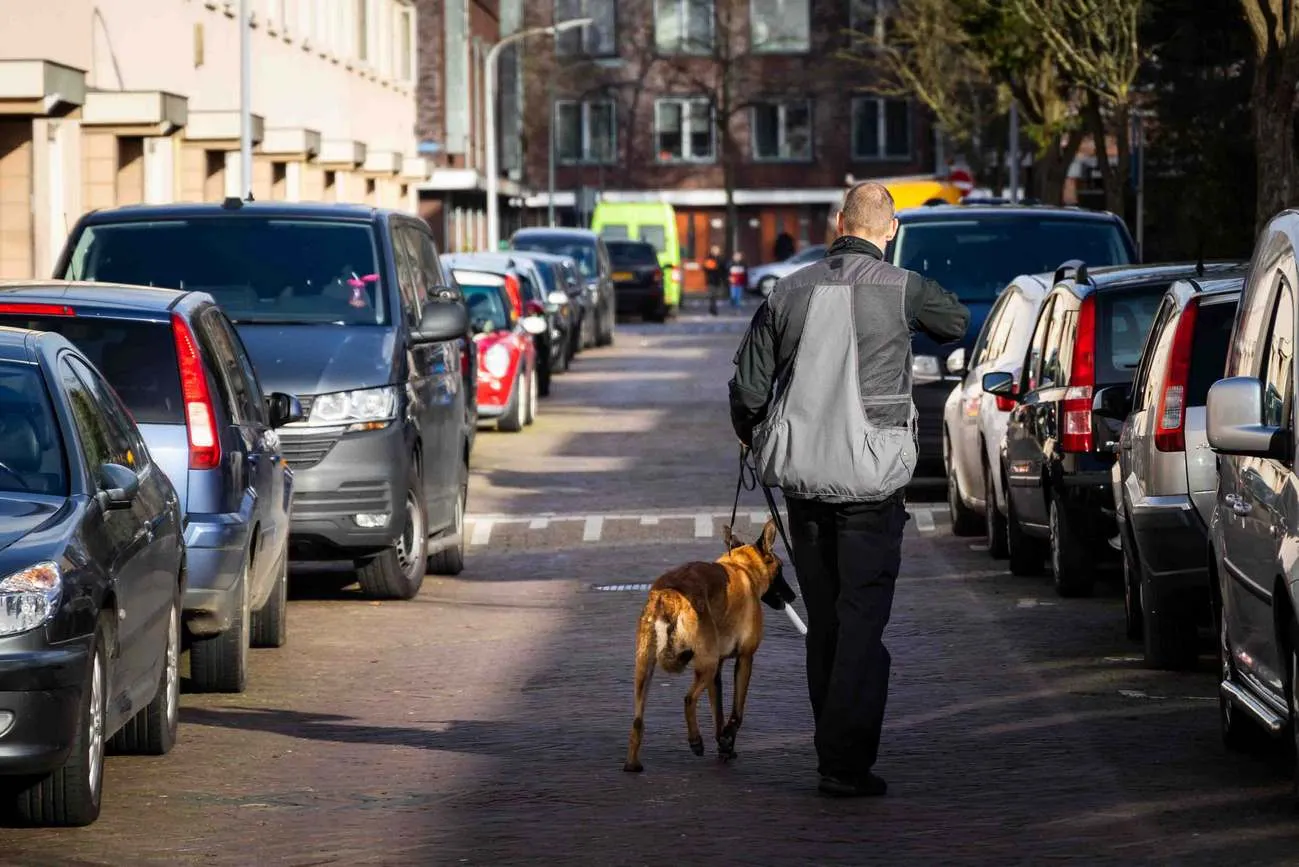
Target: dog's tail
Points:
(674, 623)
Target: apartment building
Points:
(103, 103)
(670, 99)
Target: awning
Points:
(136, 112)
(40, 88)
(219, 130)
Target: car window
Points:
(410, 281)
(223, 358)
(108, 437)
(655, 236)
(581, 251)
(1213, 324)
(975, 257)
(631, 253)
(990, 325)
(1057, 355)
(435, 275)
(1033, 367)
(1123, 320)
(614, 232)
(31, 449)
(1161, 334)
(137, 357)
(1278, 359)
(257, 399)
(317, 272)
(488, 308)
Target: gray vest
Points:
(842, 426)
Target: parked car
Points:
(592, 257)
(507, 358)
(564, 293)
(763, 278)
(974, 421)
(1166, 478)
(655, 223)
(92, 568)
(1059, 445)
(176, 362)
(638, 279)
(975, 251)
(541, 318)
(1255, 521)
(347, 308)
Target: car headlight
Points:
(925, 367)
(497, 360)
(30, 597)
(364, 409)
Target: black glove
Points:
(779, 594)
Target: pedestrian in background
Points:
(739, 279)
(713, 277)
(840, 441)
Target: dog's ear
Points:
(728, 538)
(768, 537)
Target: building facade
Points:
(677, 100)
(102, 104)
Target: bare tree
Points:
(1274, 25)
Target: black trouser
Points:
(846, 558)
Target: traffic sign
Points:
(962, 180)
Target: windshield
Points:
(137, 358)
(632, 254)
(31, 449)
(655, 236)
(581, 251)
(976, 258)
(486, 308)
(258, 270)
(1213, 324)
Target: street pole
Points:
(493, 206)
(245, 102)
(1014, 153)
(1141, 187)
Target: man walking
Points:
(831, 422)
(713, 277)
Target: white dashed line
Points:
(538, 523)
(703, 526)
(924, 520)
(593, 528)
(482, 532)
(649, 520)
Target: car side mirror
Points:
(1000, 383)
(283, 409)
(1235, 421)
(956, 361)
(443, 293)
(441, 320)
(1113, 401)
(118, 487)
(534, 324)
(558, 298)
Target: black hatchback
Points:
(92, 570)
(1070, 401)
(638, 279)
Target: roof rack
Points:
(232, 203)
(1078, 267)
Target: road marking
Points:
(594, 526)
(538, 523)
(617, 587)
(649, 520)
(482, 532)
(924, 520)
(1033, 603)
(703, 526)
(758, 517)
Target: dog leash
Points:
(747, 469)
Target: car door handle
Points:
(1237, 503)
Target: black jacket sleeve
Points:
(935, 311)
(755, 371)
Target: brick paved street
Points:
(485, 722)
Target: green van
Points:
(652, 222)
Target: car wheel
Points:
(965, 521)
(605, 336)
(765, 285)
(271, 623)
(71, 795)
(152, 731)
(1024, 551)
(1134, 620)
(451, 561)
(530, 414)
(398, 572)
(220, 663)
(511, 421)
(1069, 558)
(994, 523)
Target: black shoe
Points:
(869, 786)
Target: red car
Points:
(507, 358)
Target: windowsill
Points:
(686, 161)
(780, 52)
(781, 160)
(682, 52)
(857, 158)
(583, 163)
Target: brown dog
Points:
(705, 613)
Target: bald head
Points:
(868, 213)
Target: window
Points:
(782, 130)
(238, 368)
(224, 362)
(991, 325)
(1278, 362)
(866, 18)
(112, 437)
(683, 26)
(683, 130)
(406, 43)
(362, 30)
(779, 26)
(1145, 387)
(655, 236)
(29, 433)
(881, 129)
(1124, 320)
(1033, 367)
(614, 232)
(1213, 326)
(585, 132)
(410, 274)
(597, 39)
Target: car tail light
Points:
(1169, 431)
(1077, 433)
(1006, 404)
(17, 309)
(515, 293)
(200, 415)
(658, 276)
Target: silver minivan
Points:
(1254, 529)
(1166, 477)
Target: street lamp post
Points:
(245, 100)
(493, 217)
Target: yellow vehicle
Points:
(652, 222)
(912, 193)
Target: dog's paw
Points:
(697, 747)
(726, 746)
(633, 767)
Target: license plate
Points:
(623, 276)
